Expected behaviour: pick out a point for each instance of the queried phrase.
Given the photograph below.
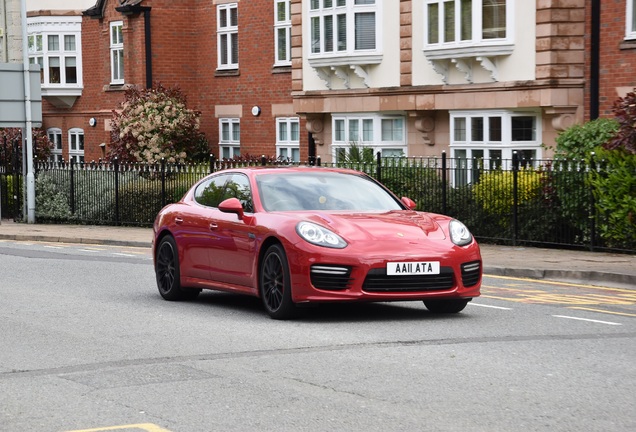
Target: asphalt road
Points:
(88, 344)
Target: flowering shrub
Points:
(155, 124)
(625, 114)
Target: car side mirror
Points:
(232, 205)
(409, 203)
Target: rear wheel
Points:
(446, 306)
(275, 284)
(168, 272)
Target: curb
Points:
(583, 277)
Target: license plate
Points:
(412, 268)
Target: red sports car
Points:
(297, 235)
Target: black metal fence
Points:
(517, 202)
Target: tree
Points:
(41, 144)
(155, 124)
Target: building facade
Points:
(231, 59)
(478, 79)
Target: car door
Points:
(196, 227)
(233, 253)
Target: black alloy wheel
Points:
(168, 272)
(275, 285)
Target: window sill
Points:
(627, 44)
(226, 72)
(116, 87)
(281, 69)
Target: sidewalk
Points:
(595, 268)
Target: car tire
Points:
(275, 285)
(168, 273)
(446, 306)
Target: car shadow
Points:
(329, 312)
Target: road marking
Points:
(603, 311)
(548, 282)
(123, 254)
(53, 247)
(147, 427)
(586, 319)
(489, 306)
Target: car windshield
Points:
(315, 190)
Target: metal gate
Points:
(11, 195)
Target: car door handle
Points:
(178, 221)
(213, 226)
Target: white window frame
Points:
(288, 143)
(225, 35)
(76, 144)
(476, 39)
(40, 31)
(230, 146)
(116, 52)
(282, 29)
(366, 130)
(497, 151)
(630, 20)
(321, 11)
(55, 136)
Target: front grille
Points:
(471, 272)
(330, 277)
(378, 281)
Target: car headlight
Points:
(315, 234)
(460, 235)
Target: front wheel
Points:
(446, 306)
(275, 284)
(168, 272)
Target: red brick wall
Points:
(184, 54)
(617, 57)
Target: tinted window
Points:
(219, 188)
(316, 190)
(211, 192)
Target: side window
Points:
(211, 192)
(239, 187)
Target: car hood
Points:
(389, 226)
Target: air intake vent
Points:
(471, 273)
(331, 278)
(378, 281)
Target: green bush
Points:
(614, 188)
(578, 141)
(51, 201)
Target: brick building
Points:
(611, 54)
(478, 79)
(230, 59)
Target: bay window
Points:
(487, 140)
(367, 134)
(456, 23)
(343, 27)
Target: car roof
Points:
(270, 169)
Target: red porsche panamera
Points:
(296, 235)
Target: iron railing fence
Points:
(516, 202)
